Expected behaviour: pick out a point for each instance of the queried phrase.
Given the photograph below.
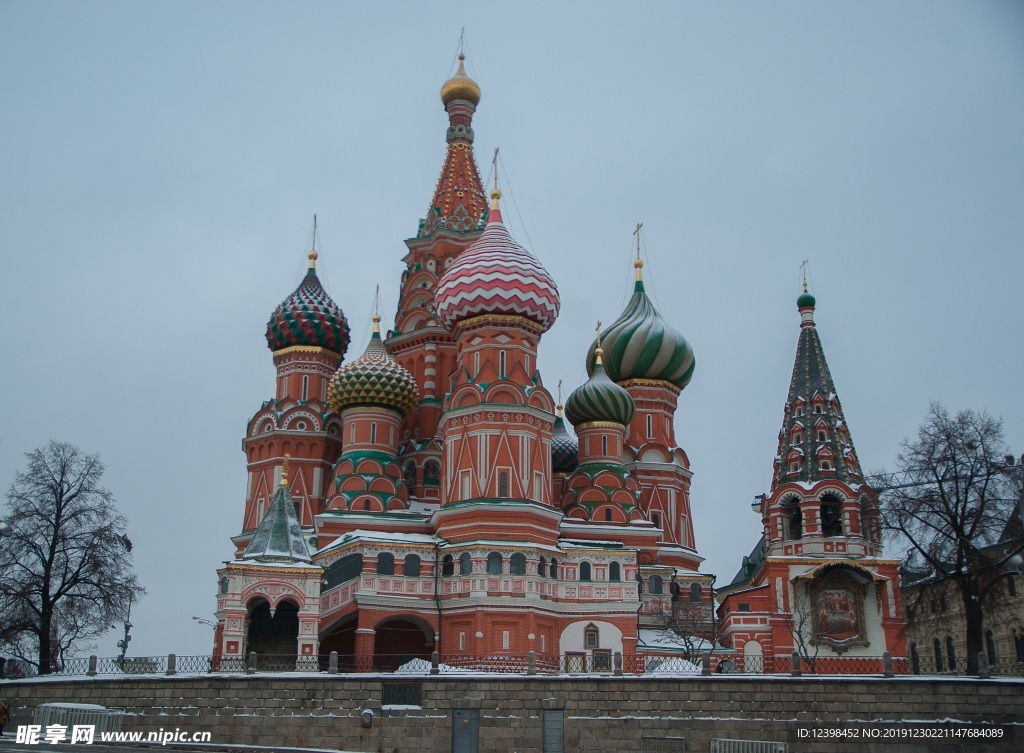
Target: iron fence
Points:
(599, 663)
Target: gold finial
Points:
(313, 255)
(284, 470)
(495, 195)
(638, 264)
(376, 324)
(376, 311)
(599, 351)
(558, 410)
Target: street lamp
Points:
(203, 621)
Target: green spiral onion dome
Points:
(641, 345)
(376, 379)
(565, 449)
(308, 317)
(599, 399)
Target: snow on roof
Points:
(392, 537)
(272, 563)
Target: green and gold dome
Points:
(599, 399)
(642, 345)
(373, 379)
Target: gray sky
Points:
(161, 164)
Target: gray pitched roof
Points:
(279, 536)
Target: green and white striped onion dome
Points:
(375, 378)
(641, 345)
(599, 399)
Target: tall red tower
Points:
(817, 582)
(455, 219)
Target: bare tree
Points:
(800, 621)
(67, 563)
(957, 496)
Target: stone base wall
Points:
(603, 715)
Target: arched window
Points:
(615, 572)
(822, 435)
(517, 564)
(465, 564)
(695, 592)
(542, 567)
(831, 517)
(501, 364)
(604, 445)
(503, 485)
(367, 504)
(990, 647)
(608, 515)
(385, 563)
(938, 655)
(553, 571)
(448, 565)
(650, 426)
(373, 433)
(657, 585)
(915, 660)
(1018, 644)
(224, 585)
(591, 637)
(951, 654)
(431, 473)
(494, 564)
(656, 519)
(411, 567)
(796, 520)
(585, 571)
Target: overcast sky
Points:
(161, 164)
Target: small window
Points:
(542, 567)
(462, 641)
(826, 465)
(798, 438)
(517, 564)
(657, 585)
(501, 364)
(553, 570)
(585, 571)
(695, 592)
(411, 567)
(608, 515)
(591, 636)
(305, 388)
(650, 426)
(465, 564)
(615, 572)
(385, 564)
(448, 565)
(743, 606)
(819, 408)
(224, 585)
(367, 504)
(822, 435)
(503, 485)
(494, 564)
(990, 647)
(656, 519)
(794, 467)
(373, 433)
(937, 645)
(604, 445)
(951, 654)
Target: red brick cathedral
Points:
(427, 495)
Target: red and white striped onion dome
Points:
(496, 276)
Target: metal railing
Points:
(591, 663)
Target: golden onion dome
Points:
(460, 86)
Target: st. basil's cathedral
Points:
(428, 495)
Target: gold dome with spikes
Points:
(460, 86)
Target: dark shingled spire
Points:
(814, 434)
